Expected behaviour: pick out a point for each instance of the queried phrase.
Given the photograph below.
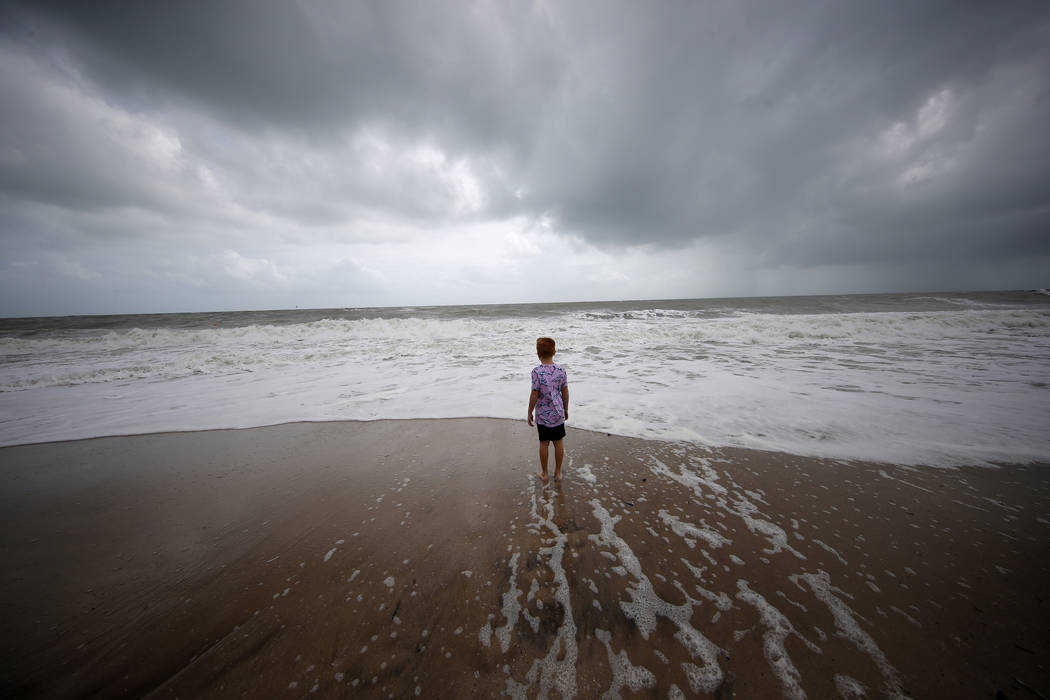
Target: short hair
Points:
(545, 347)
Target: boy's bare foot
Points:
(543, 477)
(557, 476)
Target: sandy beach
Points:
(423, 557)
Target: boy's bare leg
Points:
(543, 459)
(559, 452)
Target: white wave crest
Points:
(937, 387)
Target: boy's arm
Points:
(565, 400)
(533, 398)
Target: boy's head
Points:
(545, 348)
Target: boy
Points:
(550, 399)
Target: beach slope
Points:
(423, 557)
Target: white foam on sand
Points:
(690, 533)
(906, 616)
(708, 487)
(511, 607)
(820, 584)
(849, 687)
(557, 669)
(586, 474)
(774, 534)
(778, 628)
(884, 475)
(625, 674)
(829, 549)
(721, 601)
(691, 480)
(645, 605)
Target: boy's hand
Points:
(530, 420)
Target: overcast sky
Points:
(169, 156)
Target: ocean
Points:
(916, 379)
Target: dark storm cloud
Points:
(801, 134)
(456, 69)
(775, 133)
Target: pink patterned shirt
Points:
(549, 380)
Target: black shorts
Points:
(546, 433)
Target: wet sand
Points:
(404, 558)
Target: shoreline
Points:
(318, 554)
(988, 464)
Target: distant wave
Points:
(170, 353)
(914, 386)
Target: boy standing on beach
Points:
(550, 399)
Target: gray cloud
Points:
(787, 134)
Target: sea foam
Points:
(963, 384)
